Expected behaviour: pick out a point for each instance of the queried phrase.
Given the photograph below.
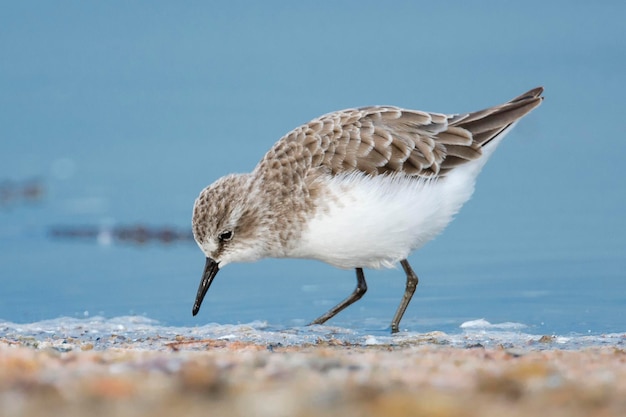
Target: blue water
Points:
(122, 112)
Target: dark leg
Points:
(361, 288)
(411, 284)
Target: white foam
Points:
(138, 332)
(484, 324)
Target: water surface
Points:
(120, 113)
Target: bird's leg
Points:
(361, 288)
(411, 285)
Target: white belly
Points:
(374, 222)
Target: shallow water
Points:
(102, 130)
(135, 332)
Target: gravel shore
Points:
(329, 378)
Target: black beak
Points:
(210, 270)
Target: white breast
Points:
(374, 222)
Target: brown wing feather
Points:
(388, 140)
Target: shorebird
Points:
(357, 188)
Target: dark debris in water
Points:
(131, 234)
(28, 191)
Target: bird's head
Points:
(228, 227)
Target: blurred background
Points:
(113, 117)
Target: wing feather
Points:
(390, 140)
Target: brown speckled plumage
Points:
(389, 140)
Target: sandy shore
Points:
(218, 377)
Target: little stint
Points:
(357, 188)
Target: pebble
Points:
(328, 378)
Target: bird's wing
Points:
(388, 140)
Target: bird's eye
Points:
(225, 236)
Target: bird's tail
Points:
(486, 125)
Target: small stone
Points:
(546, 339)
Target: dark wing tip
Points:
(534, 93)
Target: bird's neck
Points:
(281, 202)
